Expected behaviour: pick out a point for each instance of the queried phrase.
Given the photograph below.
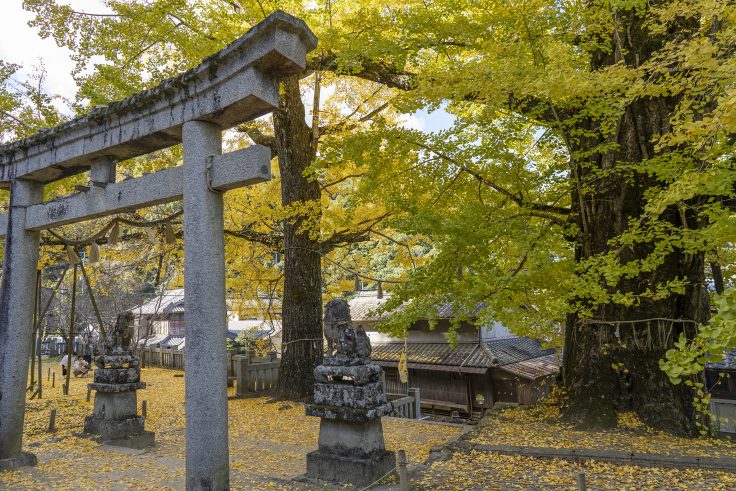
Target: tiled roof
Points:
(536, 367)
(727, 363)
(170, 301)
(364, 305)
(462, 355)
(172, 341)
(521, 356)
(512, 350)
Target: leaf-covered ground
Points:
(268, 441)
(540, 426)
(489, 471)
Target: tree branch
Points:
(256, 133)
(373, 70)
(480, 178)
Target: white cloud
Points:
(413, 122)
(20, 44)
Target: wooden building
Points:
(721, 384)
(487, 366)
(159, 323)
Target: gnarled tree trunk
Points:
(611, 361)
(302, 302)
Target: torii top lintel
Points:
(237, 84)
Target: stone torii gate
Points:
(235, 85)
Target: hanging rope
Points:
(114, 234)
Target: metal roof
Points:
(173, 301)
(536, 367)
(152, 341)
(512, 350)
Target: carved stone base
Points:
(23, 459)
(365, 396)
(349, 414)
(138, 442)
(356, 471)
(114, 429)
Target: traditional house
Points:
(160, 323)
(488, 365)
(721, 384)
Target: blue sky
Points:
(20, 44)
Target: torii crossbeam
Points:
(233, 86)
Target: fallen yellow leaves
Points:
(540, 426)
(268, 441)
(488, 471)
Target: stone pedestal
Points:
(115, 415)
(350, 401)
(23, 459)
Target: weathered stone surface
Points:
(359, 375)
(114, 429)
(207, 453)
(360, 472)
(349, 399)
(23, 459)
(144, 440)
(117, 376)
(117, 387)
(16, 315)
(351, 439)
(244, 167)
(115, 406)
(349, 414)
(347, 395)
(346, 345)
(234, 85)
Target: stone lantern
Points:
(350, 400)
(117, 378)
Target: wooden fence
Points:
(161, 357)
(255, 373)
(58, 348)
(409, 406)
(174, 358)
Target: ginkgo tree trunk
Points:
(631, 103)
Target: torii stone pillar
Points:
(16, 321)
(233, 86)
(205, 316)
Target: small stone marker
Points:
(403, 473)
(52, 421)
(53, 380)
(349, 399)
(48, 376)
(581, 482)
